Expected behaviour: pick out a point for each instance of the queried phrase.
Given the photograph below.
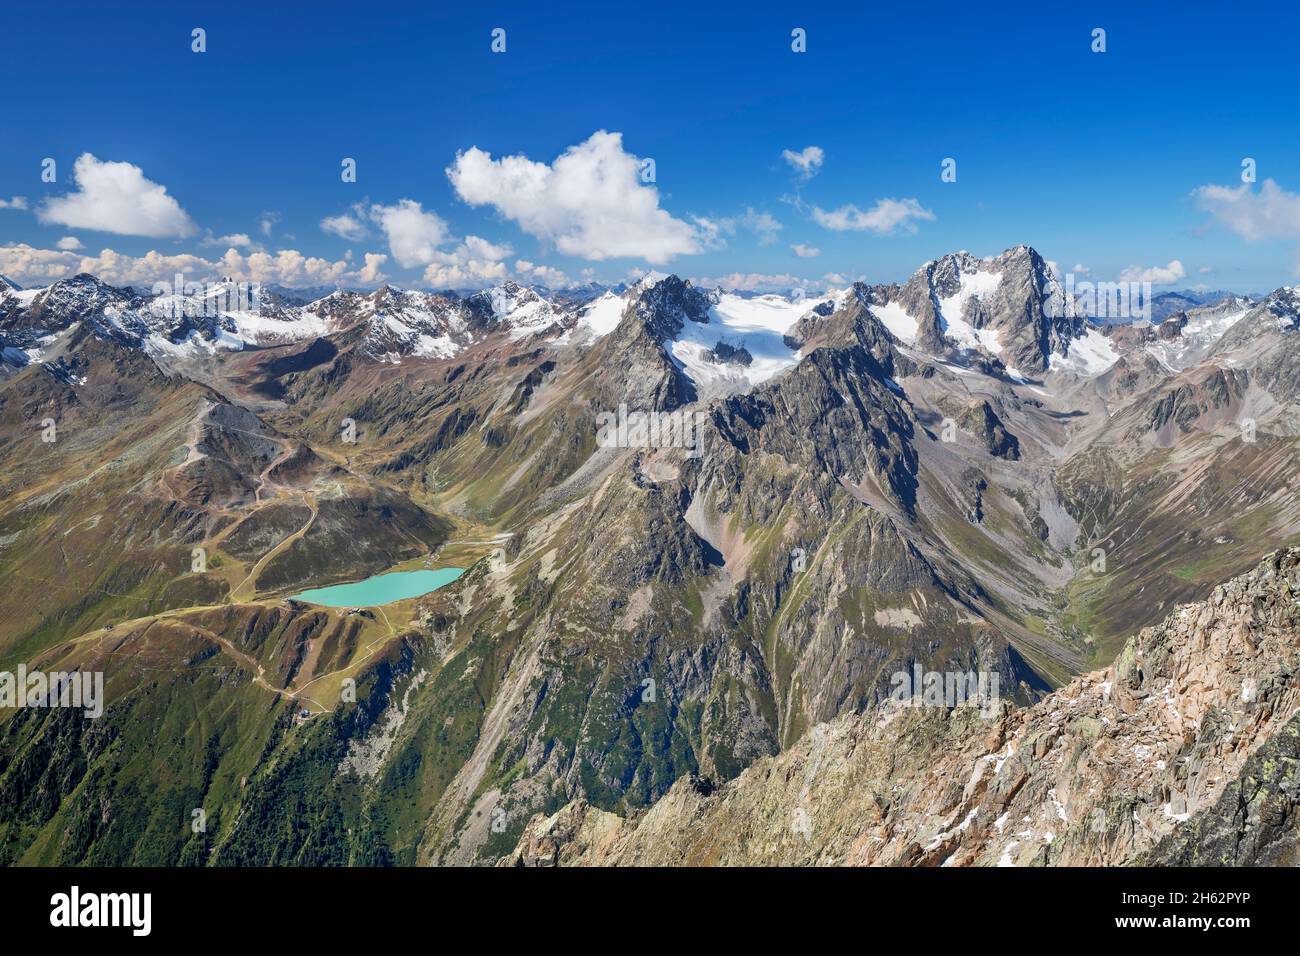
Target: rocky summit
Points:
(943, 572)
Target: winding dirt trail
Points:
(237, 594)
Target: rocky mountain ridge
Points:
(632, 613)
(1138, 753)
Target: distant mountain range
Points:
(1165, 304)
(678, 640)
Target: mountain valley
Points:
(654, 655)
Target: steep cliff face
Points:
(1010, 306)
(1254, 822)
(1184, 750)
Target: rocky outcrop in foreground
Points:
(1183, 751)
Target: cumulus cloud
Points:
(116, 197)
(414, 235)
(885, 217)
(807, 162)
(238, 240)
(478, 248)
(1270, 213)
(41, 266)
(1081, 270)
(476, 261)
(805, 252)
(349, 225)
(370, 273)
(18, 202)
(1156, 275)
(590, 202)
(287, 267)
(533, 272)
(473, 262)
(29, 265)
(418, 237)
(69, 244)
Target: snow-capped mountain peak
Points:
(520, 309)
(1008, 308)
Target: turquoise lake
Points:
(380, 588)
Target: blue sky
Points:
(1099, 160)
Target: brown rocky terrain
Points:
(1183, 748)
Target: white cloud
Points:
(709, 232)
(416, 238)
(533, 272)
(239, 240)
(118, 269)
(349, 225)
(69, 244)
(287, 267)
(886, 216)
(369, 274)
(475, 261)
(590, 202)
(18, 202)
(478, 248)
(42, 266)
(29, 265)
(807, 162)
(1156, 275)
(1081, 270)
(413, 234)
(1271, 213)
(1204, 269)
(267, 222)
(116, 197)
(805, 252)
(763, 225)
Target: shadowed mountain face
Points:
(956, 476)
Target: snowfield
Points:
(602, 316)
(757, 324)
(901, 325)
(1202, 330)
(1090, 355)
(973, 285)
